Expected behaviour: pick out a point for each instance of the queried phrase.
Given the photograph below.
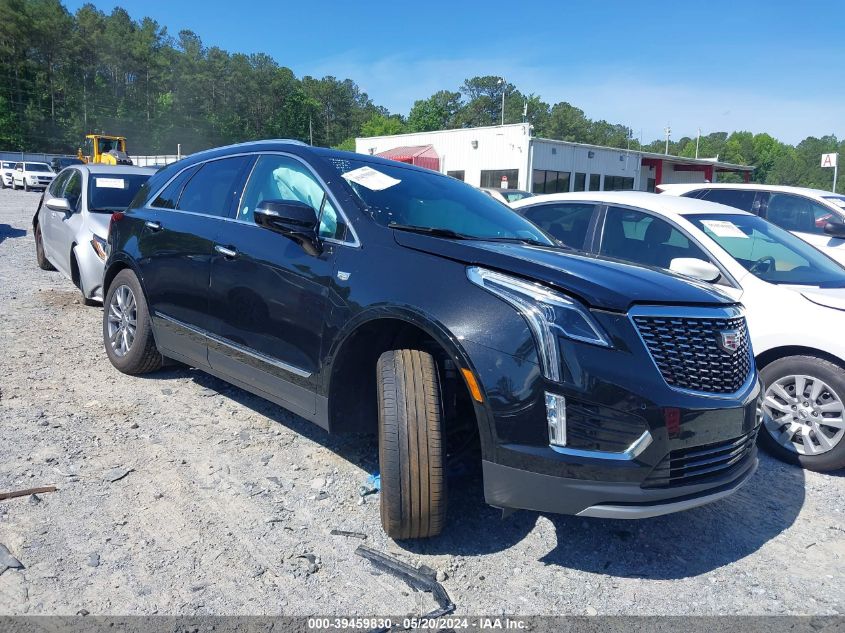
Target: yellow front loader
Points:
(104, 149)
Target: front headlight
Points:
(549, 314)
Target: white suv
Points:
(7, 168)
(815, 216)
(32, 176)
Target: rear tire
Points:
(138, 355)
(40, 257)
(800, 435)
(413, 481)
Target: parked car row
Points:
(34, 175)
(600, 379)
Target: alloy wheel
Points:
(804, 414)
(122, 320)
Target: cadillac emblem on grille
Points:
(729, 341)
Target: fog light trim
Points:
(556, 418)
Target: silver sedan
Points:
(71, 224)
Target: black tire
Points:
(817, 368)
(142, 356)
(25, 185)
(413, 480)
(40, 257)
(78, 281)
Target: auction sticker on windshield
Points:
(723, 228)
(370, 178)
(111, 183)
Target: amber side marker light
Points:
(472, 384)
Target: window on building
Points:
(458, 174)
(641, 238)
(550, 181)
(595, 182)
(493, 178)
(580, 182)
(618, 183)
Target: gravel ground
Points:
(229, 500)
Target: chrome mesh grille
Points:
(686, 350)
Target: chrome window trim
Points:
(235, 346)
(711, 312)
(632, 452)
(354, 243)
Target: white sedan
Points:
(793, 294)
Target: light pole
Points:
(502, 83)
(668, 131)
(697, 140)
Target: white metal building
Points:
(509, 156)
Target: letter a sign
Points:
(829, 160)
(832, 160)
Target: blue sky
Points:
(766, 66)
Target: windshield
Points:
(512, 195)
(107, 194)
(409, 198)
(769, 252)
(37, 167)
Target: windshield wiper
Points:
(527, 240)
(430, 230)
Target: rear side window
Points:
(797, 213)
(213, 187)
(565, 222)
(169, 196)
(737, 198)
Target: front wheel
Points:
(127, 329)
(25, 186)
(413, 481)
(40, 257)
(804, 412)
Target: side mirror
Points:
(293, 219)
(695, 268)
(835, 229)
(59, 204)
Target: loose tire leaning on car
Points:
(801, 394)
(127, 329)
(413, 480)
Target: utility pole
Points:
(502, 83)
(697, 139)
(310, 132)
(668, 131)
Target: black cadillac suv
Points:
(369, 295)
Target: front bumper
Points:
(699, 447)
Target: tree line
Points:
(64, 75)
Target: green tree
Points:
(435, 113)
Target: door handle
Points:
(228, 253)
(153, 226)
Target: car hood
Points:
(827, 297)
(601, 283)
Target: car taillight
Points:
(117, 216)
